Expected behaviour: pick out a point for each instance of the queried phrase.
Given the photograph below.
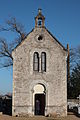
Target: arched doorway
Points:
(39, 99)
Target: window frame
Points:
(43, 62)
(36, 61)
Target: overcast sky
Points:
(62, 20)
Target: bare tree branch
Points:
(16, 27)
(6, 48)
(74, 57)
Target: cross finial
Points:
(39, 10)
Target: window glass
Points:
(43, 61)
(36, 62)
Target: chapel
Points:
(39, 73)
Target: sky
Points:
(62, 19)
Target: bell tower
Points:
(39, 19)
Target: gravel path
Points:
(69, 117)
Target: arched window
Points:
(36, 61)
(39, 22)
(43, 62)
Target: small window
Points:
(40, 37)
(43, 62)
(36, 61)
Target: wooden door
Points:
(39, 104)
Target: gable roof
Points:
(23, 39)
(48, 32)
(56, 39)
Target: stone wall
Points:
(54, 79)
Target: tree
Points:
(6, 48)
(74, 57)
(74, 83)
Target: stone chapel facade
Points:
(39, 73)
